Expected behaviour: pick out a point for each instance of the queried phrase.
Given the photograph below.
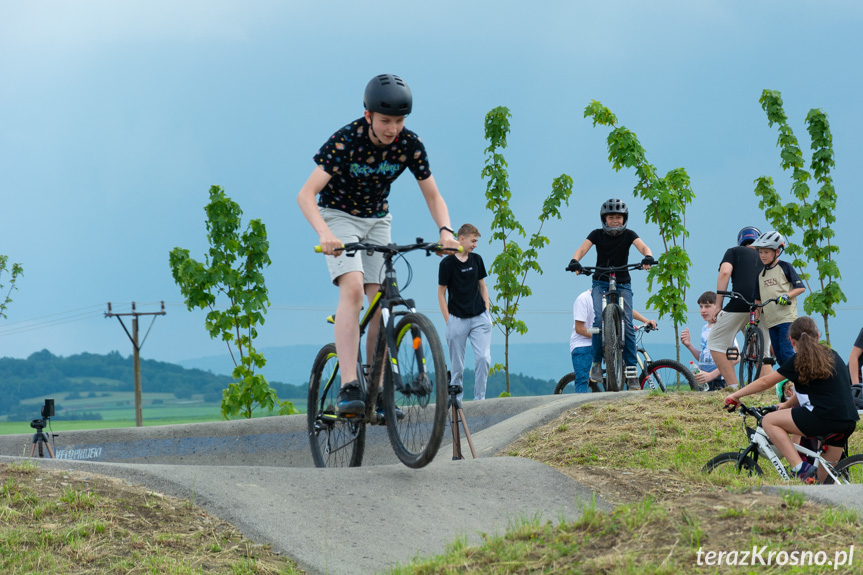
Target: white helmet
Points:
(772, 240)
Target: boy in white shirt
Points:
(709, 377)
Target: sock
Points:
(797, 467)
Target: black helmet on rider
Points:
(747, 235)
(388, 94)
(614, 206)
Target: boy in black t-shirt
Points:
(613, 241)
(346, 200)
(740, 265)
(466, 313)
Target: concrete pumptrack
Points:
(259, 475)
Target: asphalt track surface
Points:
(259, 476)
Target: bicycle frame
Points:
(386, 299)
(612, 297)
(760, 444)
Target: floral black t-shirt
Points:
(362, 172)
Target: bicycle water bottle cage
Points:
(631, 371)
(732, 353)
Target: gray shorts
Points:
(349, 229)
(727, 325)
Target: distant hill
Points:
(44, 374)
(95, 376)
(542, 361)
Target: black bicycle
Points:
(408, 357)
(752, 354)
(657, 375)
(613, 328)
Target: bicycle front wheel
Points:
(416, 384)
(612, 348)
(850, 469)
(725, 465)
(335, 441)
(667, 375)
(752, 356)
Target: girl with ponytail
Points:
(822, 404)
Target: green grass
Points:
(118, 410)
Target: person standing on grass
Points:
(708, 377)
(461, 276)
(777, 280)
(740, 267)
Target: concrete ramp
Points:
(259, 476)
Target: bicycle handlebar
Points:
(752, 305)
(429, 247)
(590, 270)
(756, 412)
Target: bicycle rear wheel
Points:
(725, 465)
(416, 383)
(751, 358)
(850, 469)
(335, 441)
(667, 375)
(612, 348)
(563, 386)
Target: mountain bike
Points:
(408, 357)
(658, 375)
(848, 470)
(613, 327)
(752, 354)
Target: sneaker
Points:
(632, 384)
(595, 373)
(379, 409)
(807, 473)
(351, 400)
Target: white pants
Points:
(478, 330)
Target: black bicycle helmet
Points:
(614, 206)
(747, 235)
(388, 94)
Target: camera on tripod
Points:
(47, 413)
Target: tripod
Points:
(458, 417)
(40, 439)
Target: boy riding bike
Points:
(822, 404)
(345, 200)
(612, 241)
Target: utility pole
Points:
(139, 419)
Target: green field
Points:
(118, 410)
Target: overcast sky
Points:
(116, 117)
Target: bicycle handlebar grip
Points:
(320, 250)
